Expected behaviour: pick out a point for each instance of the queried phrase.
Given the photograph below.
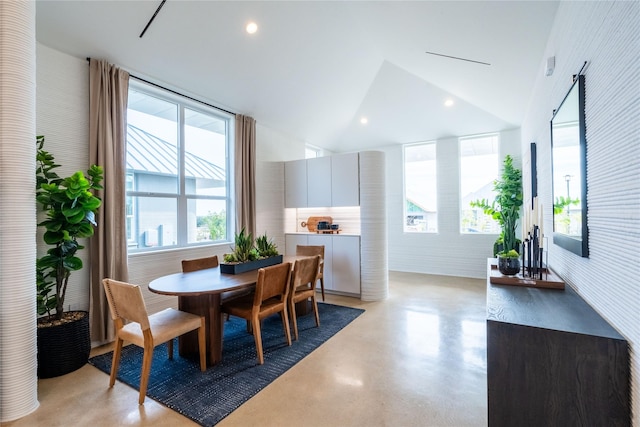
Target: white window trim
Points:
(181, 197)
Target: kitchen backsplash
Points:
(348, 218)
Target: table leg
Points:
(303, 307)
(207, 305)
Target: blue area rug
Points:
(208, 397)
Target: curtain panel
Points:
(245, 173)
(108, 94)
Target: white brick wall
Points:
(607, 35)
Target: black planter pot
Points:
(250, 265)
(63, 348)
(508, 266)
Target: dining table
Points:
(199, 292)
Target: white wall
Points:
(62, 116)
(447, 252)
(607, 35)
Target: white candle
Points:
(541, 224)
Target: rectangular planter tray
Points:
(550, 279)
(250, 265)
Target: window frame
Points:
(433, 143)
(497, 175)
(182, 198)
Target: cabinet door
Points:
(346, 264)
(345, 180)
(295, 184)
(319, 182)
(293, 240)
(326, 240)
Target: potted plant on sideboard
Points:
(70, 204)
(505, 209)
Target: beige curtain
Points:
(245, 173)
(108, 92)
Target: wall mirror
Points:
(569, 169)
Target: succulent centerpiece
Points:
(250, 254)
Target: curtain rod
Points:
(177, 93)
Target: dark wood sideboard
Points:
(553, 361)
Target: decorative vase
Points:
(508, 266)
(63, 348)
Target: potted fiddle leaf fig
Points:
(70, 205)
(505, 209)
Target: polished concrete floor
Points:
(415, 359)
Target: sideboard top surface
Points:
(561, 310)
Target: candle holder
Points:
(532, 255)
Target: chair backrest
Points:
(305, 272)
(272, 282)
(189, 265)
(310, 250)
(126, 302)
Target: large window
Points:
(420, 188)
(178, 191)
(479, 168)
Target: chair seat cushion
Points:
(165, 325)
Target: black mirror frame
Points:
(577, 246)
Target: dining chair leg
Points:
(115, 363)
(146, 368)
(315, 310)
(322, 287)
(294, 321)
(255, 323)
(285, 325)
(202, 344)
(170, 348)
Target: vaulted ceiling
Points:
(314, 69)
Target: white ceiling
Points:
(314, 69)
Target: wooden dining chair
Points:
(313, 251)
(147, 331)
(189, 265)
(196, 264)
(303, 287)
(269, 297)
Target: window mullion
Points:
(182, 198)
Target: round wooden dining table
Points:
(199, 293)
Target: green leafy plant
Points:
(510, 254)
(216, 223)
(266, 247)
(70, 207)
(562, 202)
(244, 249)
(506, 207)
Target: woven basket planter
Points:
(63, 348)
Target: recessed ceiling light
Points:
(252, 27)
(448, 103)
(364, 120)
